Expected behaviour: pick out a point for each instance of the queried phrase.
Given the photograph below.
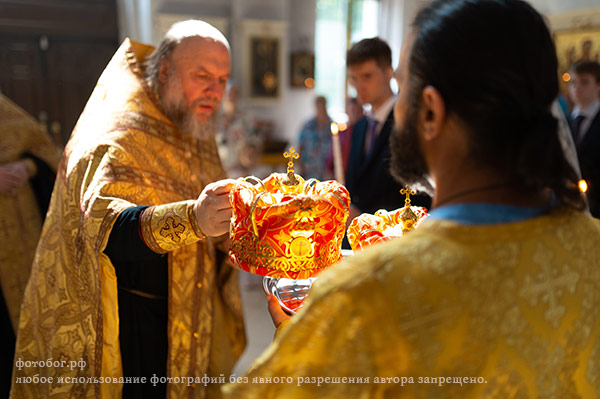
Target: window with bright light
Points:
(334, 32)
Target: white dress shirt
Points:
(381, 114)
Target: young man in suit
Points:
(584, 89)
(368, 177)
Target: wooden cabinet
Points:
(52, 52)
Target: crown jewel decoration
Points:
(368, 229)
(286, 227)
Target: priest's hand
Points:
(213, 209)
(276, 312)
(12, 176)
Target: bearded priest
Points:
(128, 279)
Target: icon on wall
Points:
(264, 69)
(302, 69)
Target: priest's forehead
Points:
(195, 28)
(202, 53)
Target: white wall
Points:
(146, 20)
(299, 102)
(560, 6)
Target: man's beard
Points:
(408, 164)
(182, 116)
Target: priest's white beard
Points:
(182, 116)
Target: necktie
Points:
(370, 137)
(577, 128)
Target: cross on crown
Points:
(408, 191)
(291, 154)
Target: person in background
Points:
(240, 139)
(28, 161)
(355, 112)
(584, 90)
(495, 294)
(314, 143)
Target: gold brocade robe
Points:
(124, 152)
(20, 218)
(497, 311)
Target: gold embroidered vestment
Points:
(514, 309)
(124, 152)
(20, 218)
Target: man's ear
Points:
(389, 73)
(163, 71)
(433, 113)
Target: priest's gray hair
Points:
(174, 36)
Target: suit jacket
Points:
(368, 179)
(588, 153)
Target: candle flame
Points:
(334, 128)
(583, 186)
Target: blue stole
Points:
(485, 213)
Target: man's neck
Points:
(375, 106)
(584, 106)
(323, 120)
(484, 187)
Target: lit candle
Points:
(338, 168)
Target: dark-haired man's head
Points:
(476, 96)
(321, 108)
(584, 86)
(370, 69)
(321, 102)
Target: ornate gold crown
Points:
(286, 227)
(368, 229)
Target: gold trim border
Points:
(146, 229)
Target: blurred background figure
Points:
(586, 53)
(368, 179)
(240, 139)
(28, 161)
(355, 112)
(584, 90)
(314, 143)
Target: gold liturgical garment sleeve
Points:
(168, 227)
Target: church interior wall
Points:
(293, 105)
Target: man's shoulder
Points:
(595, 126)
(392, 260)
(118, 145)
(362, 122)
(389, 122)
(360, 125)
